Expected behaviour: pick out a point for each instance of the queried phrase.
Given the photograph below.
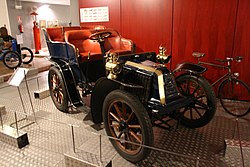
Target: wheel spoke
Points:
(196, 89)
(59, 84)
(134, 126)
(185, 110)
(119, 114)
(191, 113)
(130, 117)
(201, 105)
(55, 94)
(130, 146)
(53, 80)
(58, 97)
(120, 134)
(60, 91)
(126, 145)
(123, 109)
(57, 80)
(198, 112)
(135, 136)
(201, 108)
(114, 116)
(200, 96)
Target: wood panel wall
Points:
(219, 28)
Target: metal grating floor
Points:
(50, 140)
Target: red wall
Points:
(147, 23)
(207, 26)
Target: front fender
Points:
(190, 68)
(101, 89)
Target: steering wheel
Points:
(99, 36)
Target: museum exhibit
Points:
(124, 83)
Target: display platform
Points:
(51, 138)
(13, 137)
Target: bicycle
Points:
(233, 93)
(13, 56)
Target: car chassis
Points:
(131, 93)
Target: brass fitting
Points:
(162, 57)
(112, 65)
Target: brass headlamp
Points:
(162, 57)
(113, 67)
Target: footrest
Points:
(10, 136)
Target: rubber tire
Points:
(220, 91)
(142, 117)
(16, 55)
(211, 101)
(31, 55)
(63, 106)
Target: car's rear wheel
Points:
(202, 109)
(57, 89)
(126, 119)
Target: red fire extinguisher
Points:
(20, 24)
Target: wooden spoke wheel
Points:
(57, 89)
(202, 109)
(126, 119)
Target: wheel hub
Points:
(192, 104)
(123, 126)
(56, 88)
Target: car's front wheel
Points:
(126, 119)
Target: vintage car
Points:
(129, 91)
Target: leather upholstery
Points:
(90, 50)
(56, 34)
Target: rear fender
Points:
(190, 68)
(102, 88)
(69, 81)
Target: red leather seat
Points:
(90, 50)
(56, 34)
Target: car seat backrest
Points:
(56, 34)
(80, 39)
(71, 28)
